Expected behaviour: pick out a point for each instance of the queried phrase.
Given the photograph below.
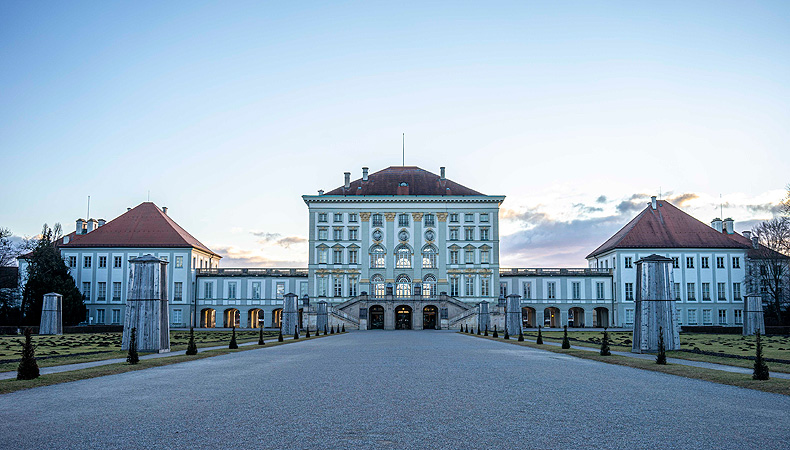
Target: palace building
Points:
(405, 248)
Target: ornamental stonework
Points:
(364, 216)
(417, 216)
(442, 217)
(390, 216)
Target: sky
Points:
(228, 112)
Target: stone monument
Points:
(290, 322)
(655, 306)
(483, 318)
(52, 314)
(321, 320)
(146, 305)
(513, 320)
(753, 319)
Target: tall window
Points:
(102, 262)
(454, 233)
(377, 220)
(403, 220)
(402, 257)
(86, 290)
(323, 256)
(485, 256)
(722, 317)
(469, 233)
(352, 287)
(338, 286)
(629, 262)
(599, 291)
(116, 316)
(86, 262)
(179, 262)
(101, 293)
(429, 286)
(323, 234)
(429, 257)
(454, 286)
(429, 220)
(704, 262)
(208, 290)
(676, 291)
(719, 262)
(551, 290)
(689, 262)
(736, 262)
(469, 256)
(484, 217)
(629, 316)
(322, 217)
(72, 261)
(485, 286)
(353, 256)
(454, 218)
(256, 290)
(279, 291)
(100, 316)
(377, 256)
(629, 292)
(721, 290)
(116, 291)
(403, 286)
(736, 291)
(675, 262)
(469, 217)
(738, 315)
(352, 217)
(231, 290)
(377, 287)
(577, 290)
(705, 292)
(469, 281)
(454, 256)
(707, 317)
(178, 316)
(338, 217)
(353, 234)
(178, 291)
(484, 233)
(691, 292)
(337, 233)
(527, 290)
(322, 288)
(692, 313)
(337, 256)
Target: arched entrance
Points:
(208, 318)
(601, 317)
(430, 316)
(277, 318)
(528, 317)
(255, 318)
(551, 317)
(576, 317)
(376, 318)
(232, 318)
(403, 318)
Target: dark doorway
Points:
(403, 318)
(376, 318)
(429, 317)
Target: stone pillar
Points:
(52, 314)
(483, 318)
(146, 305)
(655, 306)
(321, 317)
(290, 322)
(513, 315)
(753, 319)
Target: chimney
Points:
(728, 226)
(756, 241)
(748, 235)
(364, 174)
(441, 172)
(347, 178)
(403, 188)
(716, 224)
(102, 222)
(92, 225)
(80, 226)
(164, 209)
(653, 202)
(128, 209)
(320, 192)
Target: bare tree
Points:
(769, 267)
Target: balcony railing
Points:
(553, 271)
(252, 272)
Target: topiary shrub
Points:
(260, 337)
(344, 328)
(661, 358)
(280, 337)
(760, 367)
(132, 357)
(191, 346)
(496, 335)
(317, 332)
(566, 344)
(296, 332)
(332, 330)
(325, 333)
(605, 344)
(478, 331)
(233, 345)
(307, 333)
(28, 367)
(520, 336)
(486, 333)
(540, 337)
(507, 336)
(473, 331)
(467, 328)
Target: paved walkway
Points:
(405, 389)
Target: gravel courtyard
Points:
(394, 389)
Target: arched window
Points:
(377, 286)
(429, 286)
(429, 253)
(377, 257)
(403, 257)
(403, 286)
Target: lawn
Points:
(726, 344)
(75, 348)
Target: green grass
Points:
(733, 344)
(77, 348)
(774, 385)
(7, 386)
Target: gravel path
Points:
(384, 389)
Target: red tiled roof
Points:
(669, 227)
(142, 226)
(420, 181)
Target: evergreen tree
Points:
(661, 358)
(344, 328)
(760, 367)
(317, 331)
(307, 333)
(540, 337)
(605, 344)
(565, 342)
(132, 357)
(28, 367)
(260, 337)
(507, 335)
(520, 336)
(191, 346)
(296, 332)
(473, 331)
(280, 337)
(496, 335)
(486, 333)
(325, 333)
(47, 272)
(332, 330)
(467, 328)
(478, 331)
(233, 345)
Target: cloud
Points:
(584, 209)
(277, 239)
(235, 257)
(601, 199)
(682, 199)
(265, 237)
(287, 241)
(765, 208)
(634, 203)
